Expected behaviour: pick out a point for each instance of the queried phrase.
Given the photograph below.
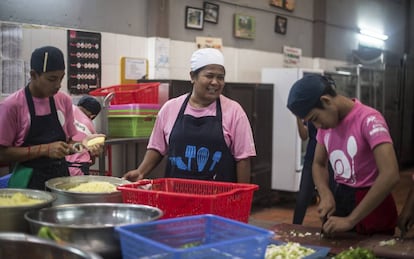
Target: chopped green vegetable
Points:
(289, 250)
(191, 244)
(46, 233)
(357, 253)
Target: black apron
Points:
(197, 149)
(43, 130)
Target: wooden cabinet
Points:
(257, 101)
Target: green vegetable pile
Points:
(357, 253)
(290, 250)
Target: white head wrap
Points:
(206, 56)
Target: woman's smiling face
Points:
(208, 82)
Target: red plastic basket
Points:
(133, 93)
(183, 197)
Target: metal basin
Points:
(91, 225)
(12, 217)
(18, 245)
(60, 186)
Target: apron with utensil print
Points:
(197, 149)
(43, 130)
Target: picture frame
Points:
(281, 24)
(194, 18)
(277, 3)
(288, 5)
(244, 26)
(211, 12)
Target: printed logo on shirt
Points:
(82, 128)
(376, 125)
(345, 168)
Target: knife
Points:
(322, 234)
(402, 234)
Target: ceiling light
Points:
(373, 34)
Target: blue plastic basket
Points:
(4, 181)
(320, 251)
(201, 236)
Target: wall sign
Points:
(133, 69)
(292, 56)
(84, 61)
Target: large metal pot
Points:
(18, 245)
(91, 226)
(12, 217)
(60, 187)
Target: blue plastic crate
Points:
(4, 180)
(201, 236)
(320, 251)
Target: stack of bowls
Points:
(91, 226)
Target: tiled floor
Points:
(281, 210)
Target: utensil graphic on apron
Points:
(216, 159)
(202, 158)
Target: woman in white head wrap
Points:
(205, 135)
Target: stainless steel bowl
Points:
(91, 226)
(12, 217)
(60, 187)
(18, 245)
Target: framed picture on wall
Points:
(211, 12)
(277, 3)
(244, 26)
(280, 24)
(194, 18)
(288, 5)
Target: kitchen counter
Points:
(342, 241)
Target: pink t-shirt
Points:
(84, 128)
(15, 116)
(236, 127)
(350, 145)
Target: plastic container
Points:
(201, 236)
(184, 197)
(130, 125)
(134, 109)
(4, 180)
(132, 93)
(320, 251)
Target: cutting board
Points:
(401, 249)
(311, 236)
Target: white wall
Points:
(242, 65)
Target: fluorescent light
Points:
(342, 72)
(373, 34)
(370, 41)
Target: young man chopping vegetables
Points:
(356, 140)
(37, 124)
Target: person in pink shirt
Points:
(205, 135)
(37, 124)
(84, 113)
(355, 139)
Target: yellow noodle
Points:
(94, 186)
(18, 199)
